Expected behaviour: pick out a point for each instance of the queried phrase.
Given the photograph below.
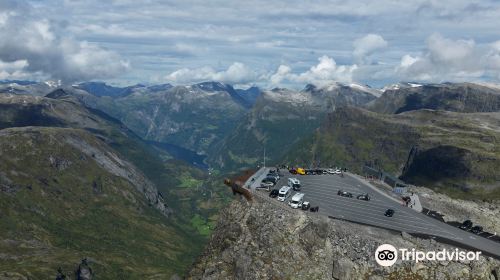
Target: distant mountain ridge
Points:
(279, 119)
(458, 97)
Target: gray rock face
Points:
(118, 166)
(264, 241)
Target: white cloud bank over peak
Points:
(367, 45)
(236, 73)
(34, 41)
(325, 72)
(452, 60)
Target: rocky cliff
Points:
(264, 241)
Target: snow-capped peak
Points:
(414, 85)
(53, 84)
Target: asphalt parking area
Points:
(321, 190)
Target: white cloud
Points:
(164, 36)
(284, 72)
(13, 70)
(236, 73)
(325, 72)
(33, 40)
(367, 45)
(445, 59)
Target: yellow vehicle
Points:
(301, 171)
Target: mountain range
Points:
(90, 160)
(77, 183)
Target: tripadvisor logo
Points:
(387, 255)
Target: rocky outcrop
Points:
(115, 164)
(486, 214)
(264, 241)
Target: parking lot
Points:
(321, 190)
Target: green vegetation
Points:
(203, 226)
(459, 153)
(57, 212)
(57, 205)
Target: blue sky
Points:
(268, 43)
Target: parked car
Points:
(314, 209)
(284, 193)
(301, 171)
(296, 201)
(476, 229)
(389, 212)
(274, 175)
(306, 205)
(466, 225)
(274, 193)
(267, 185)
(319, 171)
(273, 179)
(330, 171)
(363, 197)
(294, 183)
(333, 171)
(344, 193)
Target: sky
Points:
(286, 43)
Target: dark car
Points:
(466, 225)
(293, 171)
(306, 205)
(389, 213)
(272, 179)
(344, 193)
(363, 197)
(314, 209)
(319, 171)
(273, 175)
(477, 229)
(274, 193)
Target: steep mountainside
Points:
(65, 195)
(454, 151)
(457, 97)
(279, 119)
(263, 241)
(76, 183)
(249, 95)
(193, 117)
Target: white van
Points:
(284, 192)
(297, 200)
(294, 183)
